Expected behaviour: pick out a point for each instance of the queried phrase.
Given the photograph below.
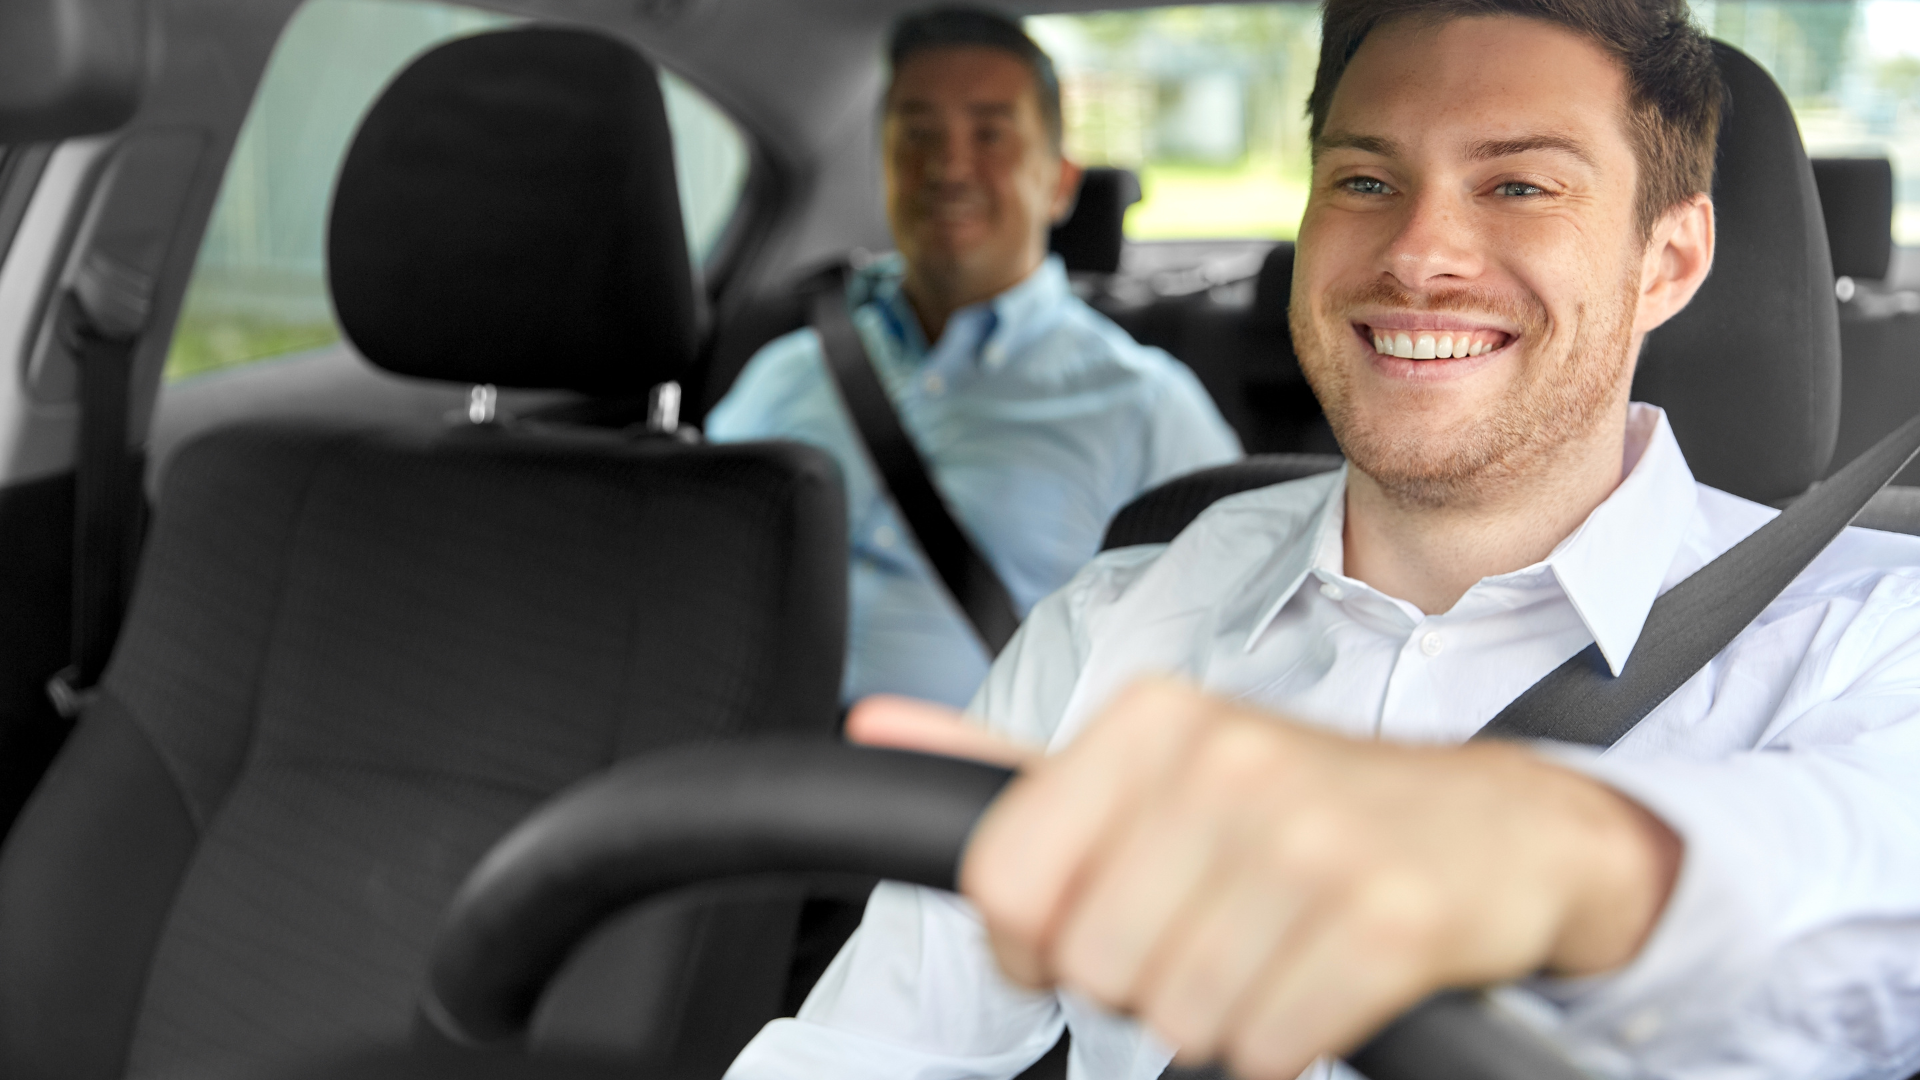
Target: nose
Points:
(1435, 242)
(951, 158)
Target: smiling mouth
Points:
(1434, 344)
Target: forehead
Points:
(962, 76)
(1465, 81)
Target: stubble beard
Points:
(1555, 401)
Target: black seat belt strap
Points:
(969, 577)
(1582, 702)
(99, 324)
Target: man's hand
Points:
(1262, 892)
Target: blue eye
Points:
(1366, 185)
(1519, 189)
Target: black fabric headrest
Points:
(1749, 373)
(508, 214)
(1273, 289)
(1092, 236)
(1856, 197)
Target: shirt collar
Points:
(1611, 568)
(990, 330)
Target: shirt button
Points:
(1332, 591)
(885, 536)
(935, 385)
(1431, 643)
(993, 354)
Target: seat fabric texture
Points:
(1880, 322)
(357, 657)
(1749, 372)
(1856, 202)
(511, 196)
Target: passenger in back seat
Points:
(1038, 417)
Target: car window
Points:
(1852, 74)
(259, 286)
(1207, 102)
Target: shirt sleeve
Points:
(1791, 943)
(915, 993)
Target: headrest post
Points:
(483, 401)
(663, 408)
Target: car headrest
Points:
(1856, 198)
(508, 215)
(1092, 236)
(1749, 373)
(1273, 288)
(70, 67)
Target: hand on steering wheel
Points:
(1264, 892)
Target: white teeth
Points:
(1443, 347)
(1379, 344)
(1403, 346)
(1423, 347)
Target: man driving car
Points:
(1037, 416)
(1267, 856)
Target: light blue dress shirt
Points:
(1789, 766)
(1038, 417)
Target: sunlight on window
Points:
(1852, 73)
(1205, 102)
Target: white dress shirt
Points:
(1790, 767)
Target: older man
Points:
(1037, 416)
(1508, 195)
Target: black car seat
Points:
(1879, 319)
(1749, 372)
(355, 656)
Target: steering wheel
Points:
(716, 811)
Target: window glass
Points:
(1208, 102)
(1851, 71)
(1205, 102)
(259, 287)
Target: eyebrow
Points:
(1488, 150)
(1368, 144)
(1526, 144)
(983, 109)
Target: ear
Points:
(1066, 189)
(1679, 254)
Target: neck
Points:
(935, 293)
(1431, 555)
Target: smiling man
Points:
(1268, 856)
(1037, 416)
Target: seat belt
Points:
(968, 576)
(100, 320)
(1581, 701)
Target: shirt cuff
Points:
(1708, 950)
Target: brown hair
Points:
(1674, 90)
(948, 27)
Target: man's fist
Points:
(1264, 892)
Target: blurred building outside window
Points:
(1207, 102)
(259, 285)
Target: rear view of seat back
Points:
(356, 656)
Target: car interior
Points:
(362, 610)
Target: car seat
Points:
(1749, 372)
(1879, 318)
(357, 654)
